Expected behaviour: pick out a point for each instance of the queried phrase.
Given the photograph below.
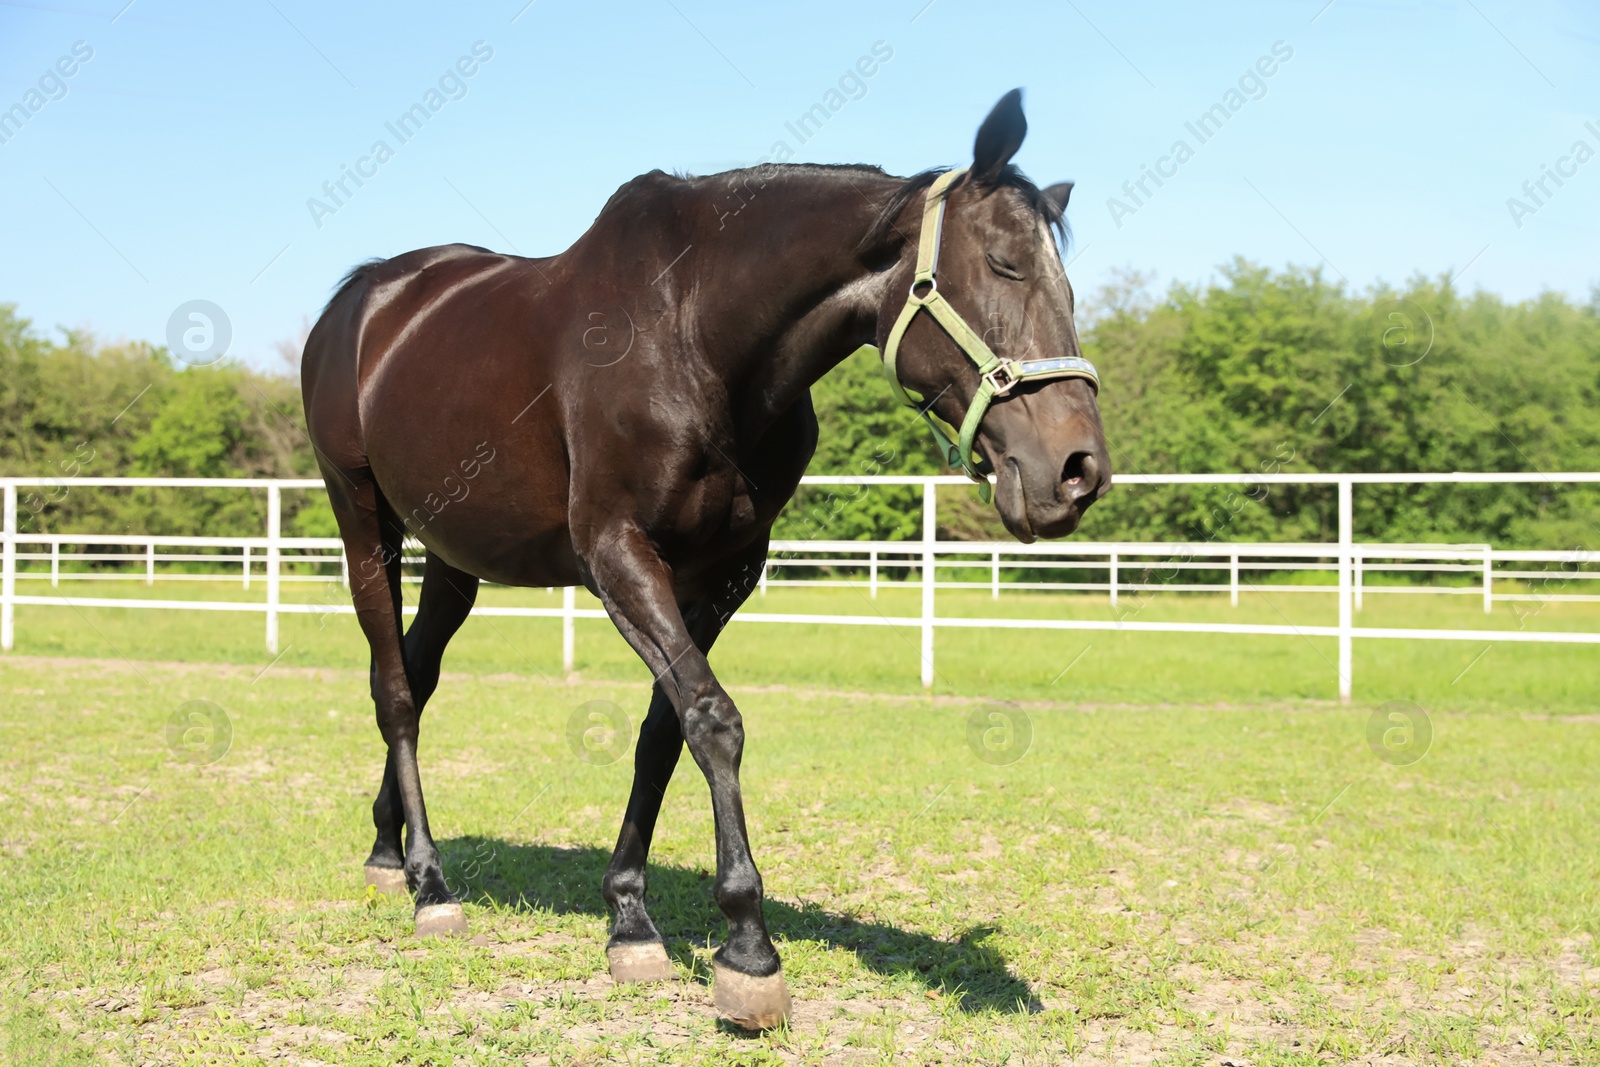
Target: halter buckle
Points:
(1001, 379)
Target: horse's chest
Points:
(715, 513)
(736, 498)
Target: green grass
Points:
(1191, 860)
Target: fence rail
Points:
(1350, 561)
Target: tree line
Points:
(74, 408)
(1259, 370)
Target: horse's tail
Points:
(357, 274)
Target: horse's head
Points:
(979, 324)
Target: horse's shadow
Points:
(567, 881)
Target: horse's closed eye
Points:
(1002, 267)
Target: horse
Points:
(632, 414)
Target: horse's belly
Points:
(477, 485)
(489, 522)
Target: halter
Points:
(997, 375)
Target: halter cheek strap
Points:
(997, 375)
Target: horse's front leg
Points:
(636, 952)
(636, 587)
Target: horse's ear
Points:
(999, 138)
(1058, 194)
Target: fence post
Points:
(1111, 581)
(274, 531)
(1488, 580)
(1233, 579)
(55, 564)
(763, 581)
(245, 559)
(150, 563)
(872, 573)
(8, 582)
(569, 629)
(344, 567)
(930, 531)
(995, 582)
(1346, 540)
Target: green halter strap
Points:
(998, 375)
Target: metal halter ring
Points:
(1001, 379)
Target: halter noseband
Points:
(997, 375)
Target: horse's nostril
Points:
(1081, 474)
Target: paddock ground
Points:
(1198, 859)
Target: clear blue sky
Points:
(179, 161)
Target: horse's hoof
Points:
(390, 881)
(753, 1003)
(640, 961)
(441, 920)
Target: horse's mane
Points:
(1010, 178)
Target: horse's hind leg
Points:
(636, 952)
(372, 537)
(447, 598)
(636, 587)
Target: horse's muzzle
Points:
(1050, 506)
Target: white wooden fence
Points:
(923, 558)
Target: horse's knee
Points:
(397, 716)
(389, 685)
(713, 728)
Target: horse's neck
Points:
(815, 298)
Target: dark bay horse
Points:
(632, 414)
